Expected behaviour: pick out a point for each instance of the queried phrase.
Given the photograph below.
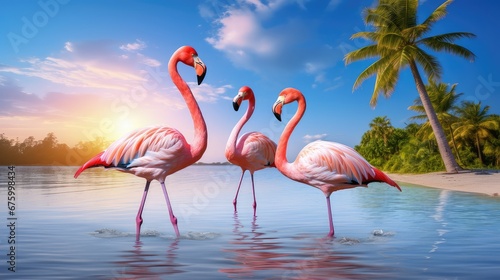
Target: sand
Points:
(483, 182)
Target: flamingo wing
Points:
(257, 148)
(151, 148)
(336, 166)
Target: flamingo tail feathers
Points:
(382, 177)
(93, 162)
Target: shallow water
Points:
(85, 229)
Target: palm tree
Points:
(444, 100)
(381, 127)
(475, 123)
(492, 148)
(397, 40)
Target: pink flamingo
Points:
(328, 166)
(253, 151)
(153, 153)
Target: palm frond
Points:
(441, 43)
(447, 37)
(413, 33)
(408, 13)
(391, 41)
(417, 117)
(362, 53)
(437, 14)
(383, 17)
(371, 70)
(386, 80)
(428, 62)
(368, 35)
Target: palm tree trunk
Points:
(478, 145)
(455, 144)
(449, 161)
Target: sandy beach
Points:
(483, 182)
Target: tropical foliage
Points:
(444, 99)
(475, 133)
(474, 125)
(399, 41)
(47, 151)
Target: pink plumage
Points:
(253, 150)
(153, 153)
(93, 162)
(325, 165)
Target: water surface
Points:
(85, 229)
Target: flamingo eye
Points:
(282, 99)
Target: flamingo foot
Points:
(173, 219)
(138, 222)
(234, 203)
(254, 208)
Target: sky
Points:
(87, 69)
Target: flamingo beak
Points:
(200, 68)
(237, 101)
(278, 106)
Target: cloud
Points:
(310, 138)
(241, 33)
(136, 46)
(54, 106)
(336, 83)
(209, 94)
(148, 61)
(333, 4)
(68, 46)
(99, 65)
(15, 100)
(170, 97)
(272, 35)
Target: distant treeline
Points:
(49, 151)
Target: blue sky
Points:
(84, 69)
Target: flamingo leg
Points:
(138, 218)
(235, 200)
(173, 219)
(332, 231)
(254, 200)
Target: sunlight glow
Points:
(120, 127)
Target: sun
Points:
(122, 127)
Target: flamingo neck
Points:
(280, 159)
(199, 144)
(233, 137)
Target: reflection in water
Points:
(137, 264)
(254, 252)
(319, 260)
(439, 217)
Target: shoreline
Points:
(472, 181)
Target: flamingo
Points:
(153, 153)
(253, 150)
(325, 165)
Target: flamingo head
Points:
(189, 56)
(286, 96)
(244, 93)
